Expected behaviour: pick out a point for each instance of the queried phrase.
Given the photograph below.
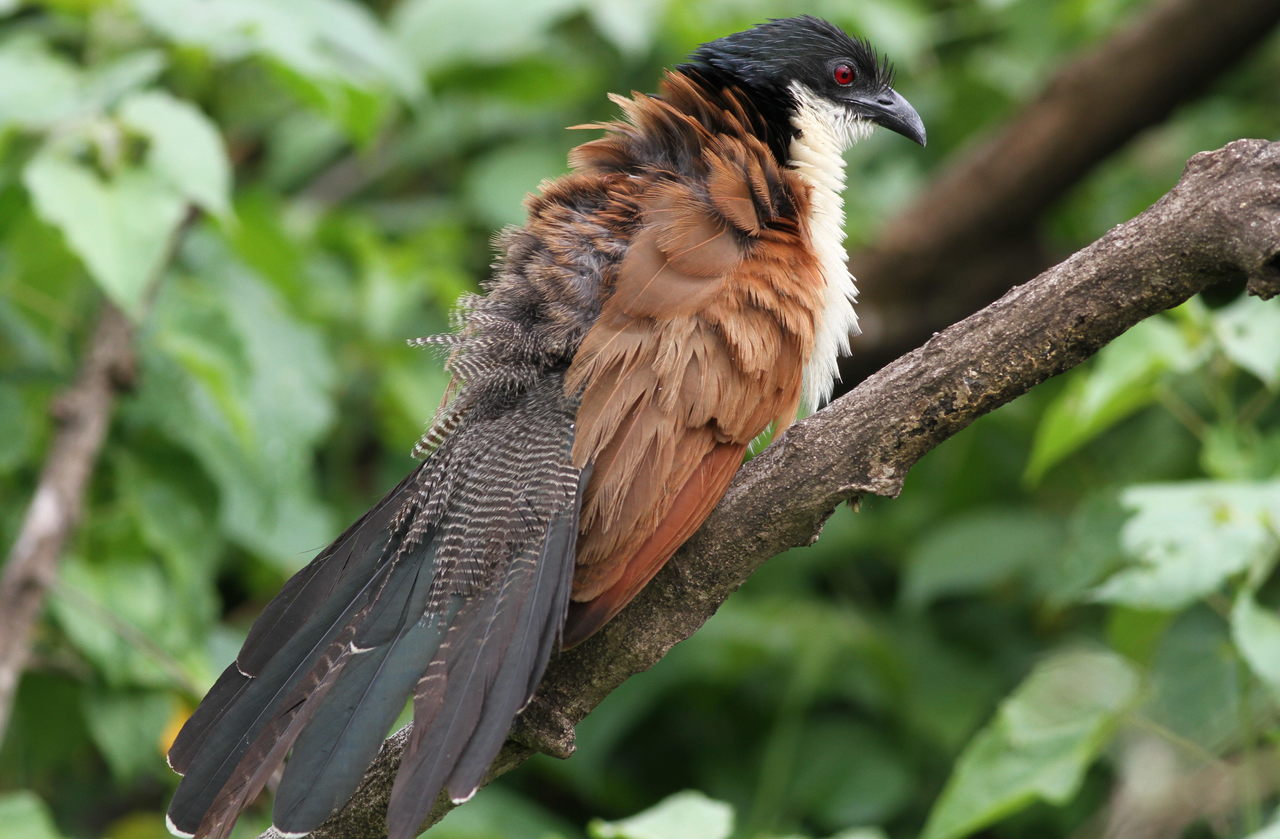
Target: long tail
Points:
(452, 590)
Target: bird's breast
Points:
(817, 160)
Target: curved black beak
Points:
(889, 109)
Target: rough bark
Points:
(83, 413)
(1221, 222)
(973, 232)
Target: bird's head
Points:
(792, 63)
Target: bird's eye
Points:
(843, 74)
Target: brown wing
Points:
(700, 347)
(690, 507)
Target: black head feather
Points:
(768, 61)
(770, 56)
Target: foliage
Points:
(280, 193)
(685, 815)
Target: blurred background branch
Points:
(83, 414)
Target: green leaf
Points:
(977, 550)
(126, 727)
(25, 816)
(37, 87)
(120, 228)
(496, 184)
(47, 731)
(1137, 634)
(1193, 678)
(685, 815)
(1091, 550)
(1042, 740)
(1271, 831)
(499, 812)
(838, 789)
(1225, 452)
(1186, 539)
(43, 290)
(1238, 451)
(170, 506)
(165, 497)
(358, 111)
(1122, 380)
(21, 420)
(300, 144)
(106, 83)
(186, 149)
(1256, 632)
(480, 31)
(1249, 331)
(900, 29)
(118, 615)
(629, 24)
(233, 377)
(335, 40)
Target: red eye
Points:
(843, 75)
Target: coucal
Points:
(680, 291)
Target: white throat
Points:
(824, 131)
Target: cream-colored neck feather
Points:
(824, 131)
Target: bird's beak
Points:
(889, 109)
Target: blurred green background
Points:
(1065, 627)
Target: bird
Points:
(682, 290)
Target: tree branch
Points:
(1220, 222)
(84, 414)
(976, 224)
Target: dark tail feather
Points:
(524, 661)
(315, 594)
(344, 735)
(252, 733)
(457, 582)
(563, 543)
(536, 635)
(293, 653)
(482, 678)
(271, 741)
